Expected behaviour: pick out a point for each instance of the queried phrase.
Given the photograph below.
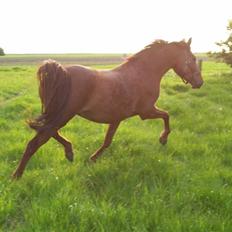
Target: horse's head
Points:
(186, 66)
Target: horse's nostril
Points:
(198, 84)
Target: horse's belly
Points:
(95, 118)
(105, 115)
(109, 102)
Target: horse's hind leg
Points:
(157, 113)
(67, 145)
(108, 139)
(33, 145)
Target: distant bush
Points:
(2, 52)
(225, 54)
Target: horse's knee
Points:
(165, 116)
(154, 114)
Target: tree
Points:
(2, 52)
(226, 48)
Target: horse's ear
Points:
(189, 42)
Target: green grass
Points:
(138, 184)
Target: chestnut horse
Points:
(107, 96)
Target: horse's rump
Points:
(54, 91)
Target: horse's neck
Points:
(152, 66)
(160, 63)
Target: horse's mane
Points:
(153, 48)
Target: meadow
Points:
(138, 184)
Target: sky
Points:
(109, 26)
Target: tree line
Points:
(2, 52)
(225, 54)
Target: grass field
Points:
(138, 184)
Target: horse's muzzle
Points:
(197, 84)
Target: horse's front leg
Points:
(108, 139)
(157, 113)
(33, 145)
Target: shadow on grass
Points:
(181, 88)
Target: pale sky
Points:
(109, 26)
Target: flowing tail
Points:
(54, 90)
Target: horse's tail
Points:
(54, 90)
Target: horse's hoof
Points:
(15, 176)
(93, 159)
(163, 140)
(69, 156)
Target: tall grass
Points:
(138, 184)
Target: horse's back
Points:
(82, 85)
(81, 74)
